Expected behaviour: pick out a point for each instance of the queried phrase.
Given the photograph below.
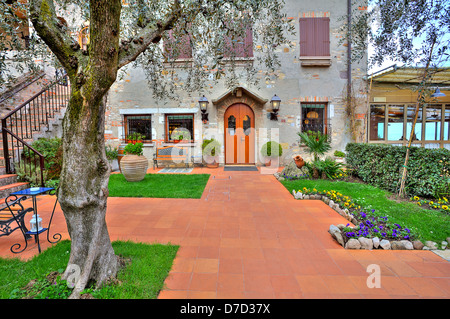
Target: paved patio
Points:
(248, 238)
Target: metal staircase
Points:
(21, 126)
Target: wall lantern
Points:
(203, 102)
(275, 102)
(437, 93)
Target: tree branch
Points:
(130, 50)
(45, 21)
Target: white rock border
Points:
(363, 242)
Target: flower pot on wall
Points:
(271, 161)
(134, 167)
(214, 163)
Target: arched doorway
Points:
(239, 123)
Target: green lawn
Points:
(159, 186)
(143, 277)
(428, 224)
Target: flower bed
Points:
(369, 231)
(439, 204)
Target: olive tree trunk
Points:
(83, 196)
(83, 190)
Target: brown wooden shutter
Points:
(240, 47)
(307, 37)
(314, 36)
(183, 45)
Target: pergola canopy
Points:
(411, 75)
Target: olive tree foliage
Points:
(407, 32)
(412, 33)
(131, 34)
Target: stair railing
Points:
(20, 124)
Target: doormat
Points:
(176, 170)
(241, 168)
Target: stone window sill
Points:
(315, 60)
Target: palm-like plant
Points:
(316, 142)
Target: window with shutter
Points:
(315, 41)
(239, 47)
(178, 48)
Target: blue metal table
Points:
(33, 192)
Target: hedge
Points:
(381, 165)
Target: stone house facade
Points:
(312, 83)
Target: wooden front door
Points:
(239, 135)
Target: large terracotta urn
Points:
(134, 167)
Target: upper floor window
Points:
(177, 48)
(315, 41)
(239, 46)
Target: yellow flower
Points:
(418, 203)
(445, 199)
(416, 198)
(445, 207)
(431, 203)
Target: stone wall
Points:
(293, 83)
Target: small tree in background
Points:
(414, 33)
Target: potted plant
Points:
(271, 151)
(134, 164)
(211, 151)
(339, 156)
(135, 138)
(179, 139)
(299, 161)
(112, 156)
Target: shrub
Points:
(51, 149)
(327, 168)
(111, 153)
(271, 149)
(210, 147)
(339, 153)
(381, 165)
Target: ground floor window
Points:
(141, 124)
(392, 123)
(314, 117)
(179, 127)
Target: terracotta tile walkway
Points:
(248, 238)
